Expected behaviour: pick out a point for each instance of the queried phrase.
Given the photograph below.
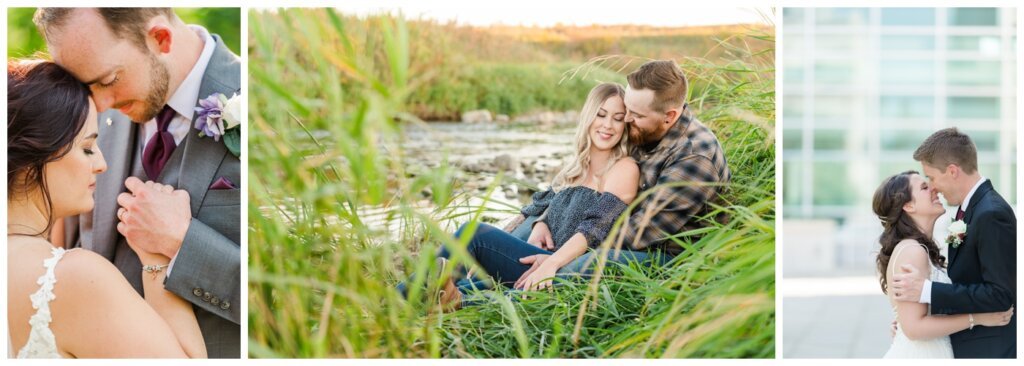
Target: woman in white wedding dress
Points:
(908, 208)
(72, 303)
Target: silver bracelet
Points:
(970, 318)
(154, 268)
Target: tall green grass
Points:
(337, 219)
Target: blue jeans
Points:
(498, 253)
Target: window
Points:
(972, 107)
(900, 106)
(985, 45)
(902, 141)
(832, 184)
(793, 16)
(973, 73)
(908, 16)
(974, 16)
(828, 72)
(841, 16)
(833, 140)
(907, 43)
(907, 72)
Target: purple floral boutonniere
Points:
(220, 117)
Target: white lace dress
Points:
(903, 347)
(41, 343)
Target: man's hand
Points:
(153, 217)
(541, 237)
(906, 285)
(532, 278)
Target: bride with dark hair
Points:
(59, 299)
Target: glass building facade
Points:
(864, 87)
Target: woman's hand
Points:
(539, 275)
(994, 319)
(541, 237)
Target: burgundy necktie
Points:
(160, 146)
(959, 214)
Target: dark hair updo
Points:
(46, 110)
(888, 203)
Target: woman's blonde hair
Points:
(578, 168)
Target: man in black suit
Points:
(983, 264)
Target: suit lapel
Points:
(202, 156)
(972, 207)
(117, 142)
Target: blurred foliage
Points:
(24, 40)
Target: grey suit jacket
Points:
(206, 270)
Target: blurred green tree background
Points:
(23, 40)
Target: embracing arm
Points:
(93, 298)
(667, 209)
(207, 272)
(996, 243)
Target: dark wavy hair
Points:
(888, 203)
(46, 110)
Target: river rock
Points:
(477, 116)
(501, 118)
(505, 163)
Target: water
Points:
(532, 156)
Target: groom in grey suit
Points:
(147, 71)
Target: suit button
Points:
(197, 291)
(215, 301)
(225, 305)
(207, 296)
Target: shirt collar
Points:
(967, 199)
(185, 98)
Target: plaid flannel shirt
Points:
(689, 152)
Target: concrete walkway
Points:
(837, 317)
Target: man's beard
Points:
(157, 96)
(643, 137)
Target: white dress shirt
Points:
(926, 289)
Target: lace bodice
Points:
(41, 342)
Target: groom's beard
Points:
(157, 96)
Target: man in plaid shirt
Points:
(678, 156)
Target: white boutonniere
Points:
(957, 232)
(219, 117)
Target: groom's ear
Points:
(671, 115)
(953, 170)
(161, 34)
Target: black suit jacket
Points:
(984, 273)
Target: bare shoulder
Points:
(912, 252)
(910, 247)
(623, 179)
(626, 165)
(84, 267)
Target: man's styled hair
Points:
(948, 146)
(126, 23)
(666, 80)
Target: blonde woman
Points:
(585, 199)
